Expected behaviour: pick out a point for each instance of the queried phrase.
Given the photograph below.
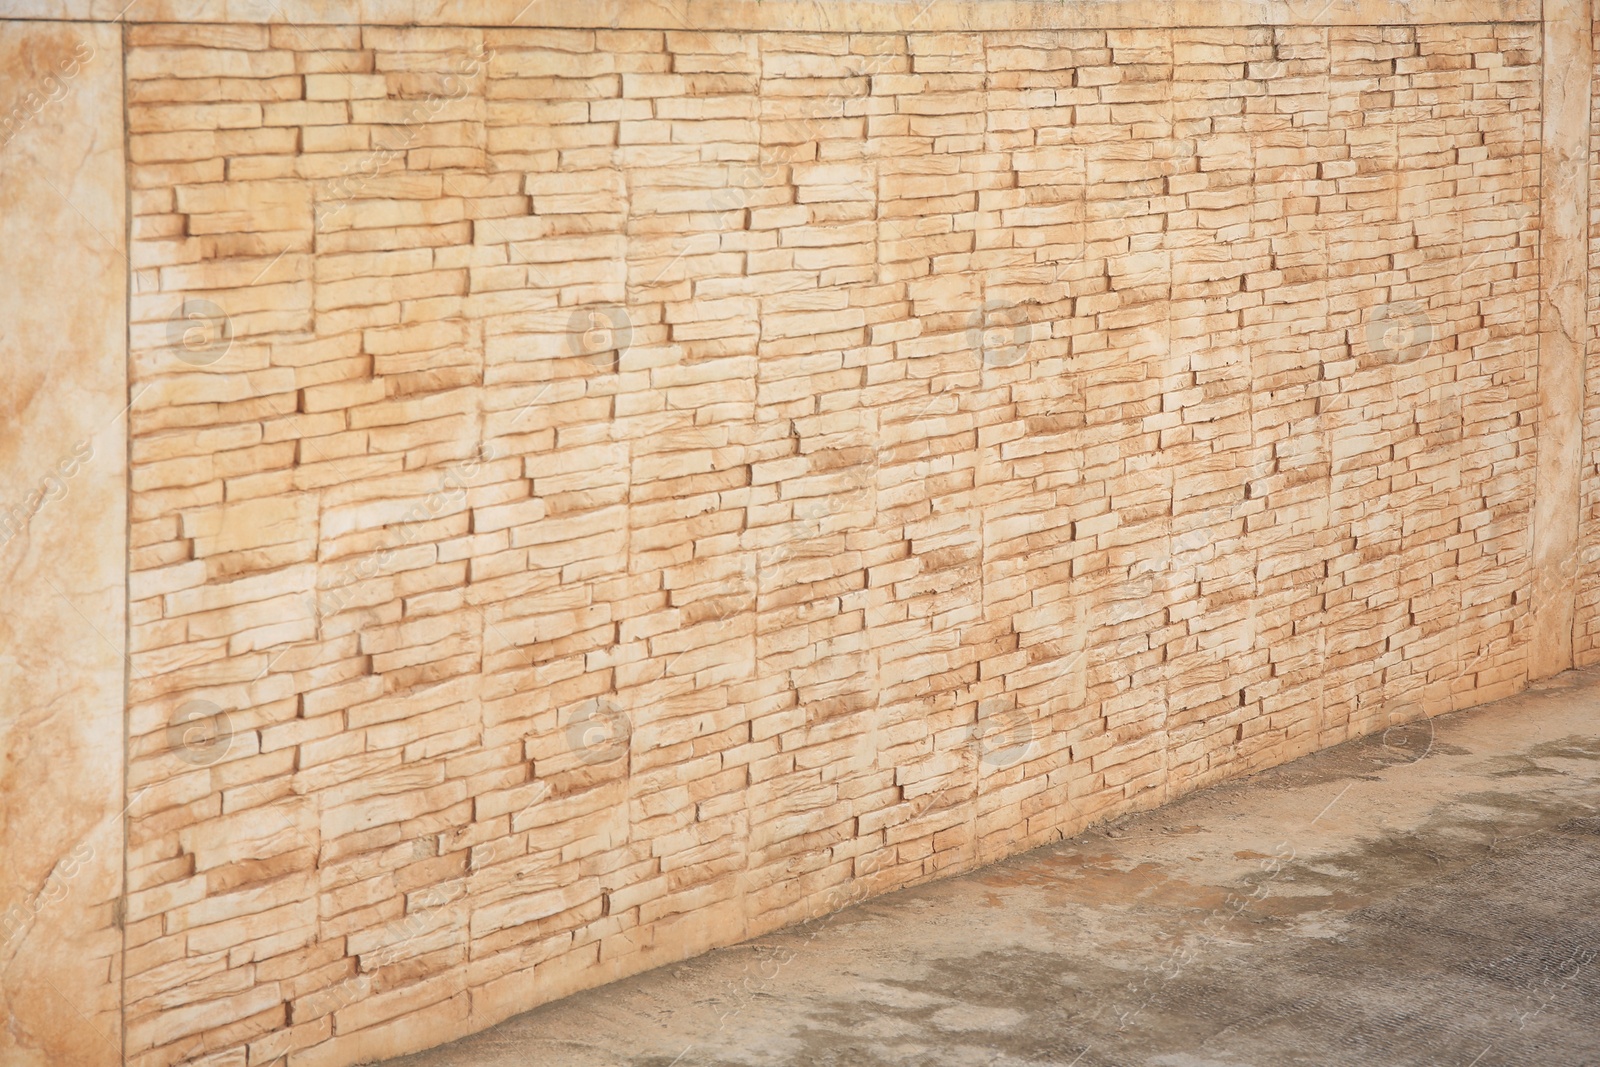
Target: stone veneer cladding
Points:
(1015, 428)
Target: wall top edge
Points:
(815, 16)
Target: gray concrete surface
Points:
(1428, 898)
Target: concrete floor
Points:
(1437, 903)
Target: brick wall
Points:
(598, 495)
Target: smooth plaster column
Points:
(1563, 283)
(63, 542)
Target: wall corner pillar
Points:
(1563, 298)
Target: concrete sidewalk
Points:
(1430, 897)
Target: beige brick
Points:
(962, 378)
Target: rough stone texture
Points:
(1421, 897)
(63, 542)
(634, 490)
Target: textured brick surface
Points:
(629, 490)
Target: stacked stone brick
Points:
(659, 485)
